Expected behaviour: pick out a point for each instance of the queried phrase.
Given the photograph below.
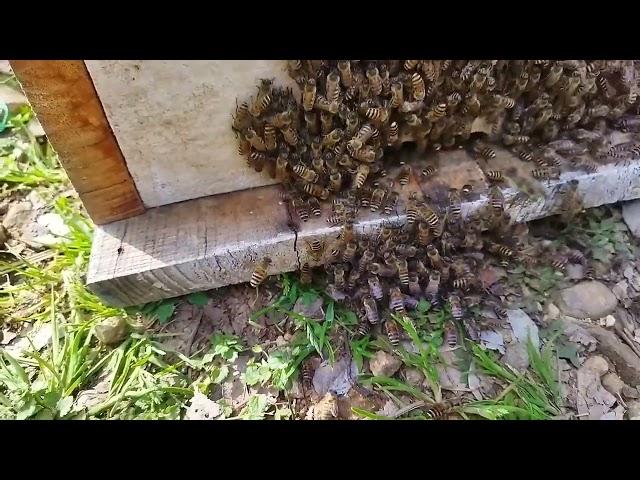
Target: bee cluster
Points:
(340, 140)
(352, 111)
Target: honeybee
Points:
(496, 199)
(396, 301)
(309, 95)
(450, 335)
(434, 256)
(375, 81)
(456, 307)
(260, 272)
(263, 98)
(305, 274)
(371, 309)
(434, 283)
(255, 140)
(393, 331)
(377, 198)
(428, 171)
(344, 66)
(495, 175)
(363, 324)
(397, 95)
(315, 248)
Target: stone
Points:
(413, 376)
(312, 310)
(112, 330)
(202, 408)
(54, 223)
(609, 321)
(492, 340)
(631, 216)
(633, 410)
(553, 312)
(12, 97)
(597, 364)
(575, 271)
(612, 383)
(632, 275)
(630, 392)
(627, 363)
(17, 215)
(523, 327)
(590, 299)
(621, 290)
(337, 377)
(384, 364)
(517, 356)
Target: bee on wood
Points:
(418, 88)
(315, 248)
(393, 331)
(546, 173)
(375, 287)
(270, 140)
(263, 98)
(495, 175)
(377, 198)
(456, 307)
(338, 276)
(260, 272)
(428, 171)
(375, 81)
(242, 117)
(397, 95)
(432, 219)
(391, 203)
(305, 274)
(255, 140)
(438, 112)
(309, 95)
(314, 206)
(300, 207)
(333, 87)
(315, 190)
(403, 176)
(455, 205)
(349, 252)
(305, 173)
(486, 152)
(496, 199)
(361, 176)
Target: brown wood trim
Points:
(65, 100)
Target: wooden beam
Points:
(64, 99)
(211, 242)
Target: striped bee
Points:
(393, 331)
(397, 95)
(450, 335)
(546, 173)
(290, 135)
(396, 301)
(501, 250)
(495, 175)
(242, 117)
(424, 234)
(305, 173)
(486, 152)
(501, 312)
(414, 285)
(344, 66)
(301, 209)
(377, 198)
(335, 181)
(417, 84)
(560, 262)
(263, 98)
(326, 122)
(496, 199)
(404, 175)
(270, 140)
(375, 81)
(305, 274)
(439, 111)
(410, 64)
(361, 176)
(428, 171)
(375, 287)
(314, 206)
(260, 272)
(371, 309)
(333, 87)
(455, 208)
(315, 190)
(434, 256)
(391, 203)
(330, 139)
(315, 248)
(307, 376)
(255, 140)
(349, 252)
(438, 411)
(403, 271)
(392, 137)
(309, 95)
(338, 276)
(363, 324)
(456, 307)
(431, 218)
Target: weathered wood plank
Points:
(173, 122)
(212, 242)
(65, 101)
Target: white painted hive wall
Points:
(172, 120)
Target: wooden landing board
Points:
(211, 242)
(65, 101)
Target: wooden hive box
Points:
(149, 148)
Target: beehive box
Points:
(149, 148)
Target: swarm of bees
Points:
(337, 142)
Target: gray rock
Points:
(627, 363)
(313, 310)
(632, 275)
(523, 327)
(13, 98)
(630, 392)
(201, 408)
(517, 356)
(633, 410)
(17, 215)
(336, 378)
(612, 383)
(384, 364)
(590, 299)
(575, 271)
(631, 216)
(413, 376)
(597, 364)
(492, 340)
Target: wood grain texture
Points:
(65, 101)
(172, 119)
(212, 242)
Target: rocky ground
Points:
(568, 348)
